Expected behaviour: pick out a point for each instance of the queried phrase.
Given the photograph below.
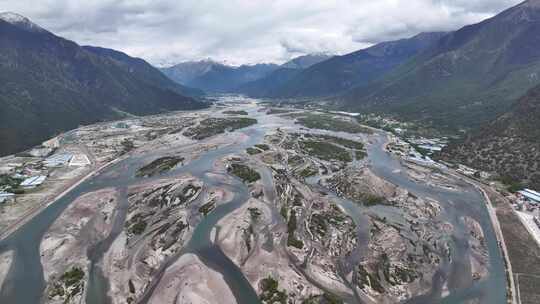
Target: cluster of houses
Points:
(16, 179)
(34, 173)
(528, 199)
(6, 197)
(8, 193)
(432, 145)
(405, 150)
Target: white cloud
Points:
(247, 31)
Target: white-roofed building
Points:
(6, 197)
(57, 160)
(431, 148)
(533, 192)
(33, 181)
(530, 195)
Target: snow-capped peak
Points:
(20, 21)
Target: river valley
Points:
(270, 205)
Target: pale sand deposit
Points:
(189, 281)
(86, 221)
(479, 253)
(260, 263)
(114, 269)
(5, 262)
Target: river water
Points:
(25, 283)
(467, 201)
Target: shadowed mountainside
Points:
(341, 73)
(467, 78)
(509, 145)
(49, 84)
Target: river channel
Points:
(25, 282)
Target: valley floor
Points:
(249, 204)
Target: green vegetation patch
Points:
(331, 123)
(253, 151)
(136, 225)
(307, 172)
(325, 151)
(208, 207)
(283, 211)
(235, 112)
(403, 275)
(127, 145)
(511, 184)
(372, 199)
(396, 274)
(357, 146)
(73, 276)
(318, 224)
(257, 149)
(254, 213)
(351, 144)
(365, 278)
(68, 285)
(57, 290)
(159, 165)
(263, 147)
(244, 172)
(270, 293)
(291, 228)
(295, 160)
(11, 184)
(213, 126)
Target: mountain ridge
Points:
(49, 84)
(468, 77)
(20, 21)
(212, 76)
(341, 73)
(508, 145)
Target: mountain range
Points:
(475, 79)
(466, 78)
(481, 81)
(451, 81)
(216, 77)
(49, 84)
(341, 73)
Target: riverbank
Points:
(512, 294)
(523, 253)
(286, 228)
(494, 222)
(5, 262)
(36, 210)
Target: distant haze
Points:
(247, 31)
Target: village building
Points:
(6, 197)
(33, 182)
(529, 196)
(57, 160)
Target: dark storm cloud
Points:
(247, 31)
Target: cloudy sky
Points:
(247, 31)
